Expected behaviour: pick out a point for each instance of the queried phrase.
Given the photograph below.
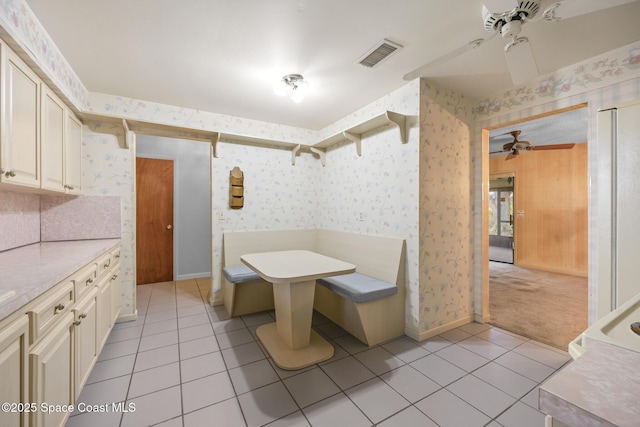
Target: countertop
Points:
(29, 271)
(600, 388)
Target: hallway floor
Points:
(551, 308)
(185, 363)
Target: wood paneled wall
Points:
(551, 189)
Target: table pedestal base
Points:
(284, 357)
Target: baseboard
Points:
(481, 318)
(128, 317)
(446, 327)
(193, 276)
(553, 270)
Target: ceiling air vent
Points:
(379, 52)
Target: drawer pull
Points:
(89, 281)
(116, 256)
(107, 265)
(77, 322)
(83, 315)
(114, 277)
(58, 308)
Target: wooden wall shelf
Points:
(401, 121)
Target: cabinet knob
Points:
(2, 171)
(77, 322)
(169, 227)
(11, 173)
(58, 308)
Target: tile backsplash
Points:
(19, 219)
(31, 218)
(79, 218)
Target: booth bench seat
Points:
(369, 304)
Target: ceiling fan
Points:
(515, 147)
(509, 24)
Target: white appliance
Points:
(614, 328)
(618, 234)
(618, 207)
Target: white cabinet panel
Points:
(52, 141)
(14, 384)
(51, 362)
(20, 139)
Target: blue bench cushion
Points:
(239, 273)
(359, 287)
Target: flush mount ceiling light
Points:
(293, 86)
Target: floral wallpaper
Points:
(377, 193)
(108, 169)
(277, 195)
(446, 289)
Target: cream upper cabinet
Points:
(53, 115)
(20, 112)
(40, 137)
(14, 388)
(61, 145)
(73, 155)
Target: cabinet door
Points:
(104, 311)
(116, 294)
(73, 155)
(86, 343)
(51, 363)
(14, 370)
(20, 139)
(52, 141)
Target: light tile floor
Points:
(185, 363)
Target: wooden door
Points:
(154, 220)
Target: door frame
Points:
(176, 232)
(486, 315)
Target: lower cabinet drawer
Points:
(85, 279)
(44, 315)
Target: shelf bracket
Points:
(401, 121)
(214, 145)
(321, 153)
(357, 138)
(128, 135)
(294, 153)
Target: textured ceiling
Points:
(225, 56)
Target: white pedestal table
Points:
(290, 341)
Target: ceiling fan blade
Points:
(522, 63)
(421, 71)
(498, 152)
(569, 8)
(551, 147)
(511, 155)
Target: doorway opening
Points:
(542, 291)
(185, 252)
(501, 219)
